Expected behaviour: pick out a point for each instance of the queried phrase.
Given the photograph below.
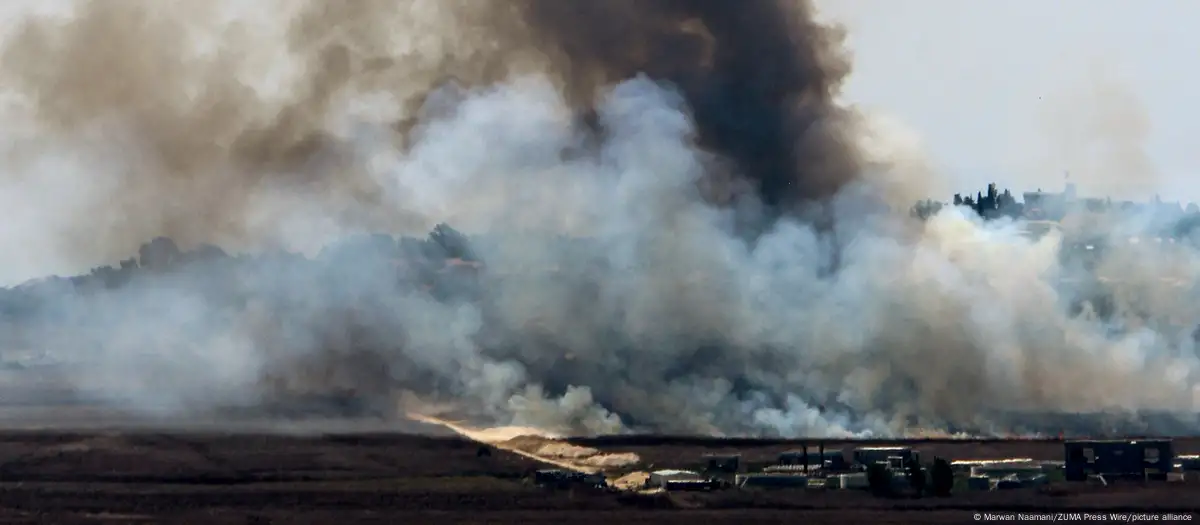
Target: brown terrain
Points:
(242, 476)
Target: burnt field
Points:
(209, 477)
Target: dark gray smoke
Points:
(759, 79)
(670, 226)
(233, 105)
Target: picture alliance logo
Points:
(1118, 517)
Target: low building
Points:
(1000, 468)
(830, 460)
(661, 479)
(692, 485)
(1152, 458)
(979, 483)
(966, 465)
(723, 467)
(891, 456)
(1189, 462)
(854, 481)
(565, 479)
(1005, 474)
(722, 464)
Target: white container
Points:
(853, 481)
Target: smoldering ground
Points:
(681, 230)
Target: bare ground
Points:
(105, 476)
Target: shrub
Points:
(916, 477)
(943, 477)
(879, 479)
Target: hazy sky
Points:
(1021, 90)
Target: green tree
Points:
(452, 242)
(159, 253)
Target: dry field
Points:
(204, 477)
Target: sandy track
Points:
(539, 446)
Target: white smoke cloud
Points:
(944, 322)
(616, 298)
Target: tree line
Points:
(432, 263)
(1166, 219)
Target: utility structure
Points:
(894, 457)
(722, 463)
(723, 467)
(680, 480)
(565, 479)
(1118, 458)
(808, 460)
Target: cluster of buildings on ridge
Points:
(1054, 206)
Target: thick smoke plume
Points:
(758, 78)
(671, 227)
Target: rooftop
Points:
(673, 472)
(1115, 441)
(991, 461)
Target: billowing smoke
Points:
(670, 226)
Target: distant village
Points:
(1173, 219)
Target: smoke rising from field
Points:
(683, 232)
